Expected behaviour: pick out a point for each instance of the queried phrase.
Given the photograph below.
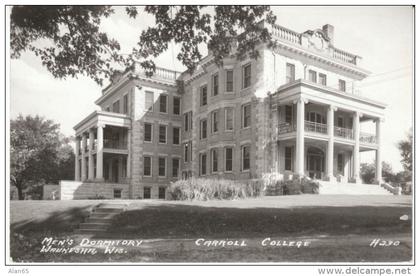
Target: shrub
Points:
(207, 189)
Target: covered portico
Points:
(102, 148)
(320, 128)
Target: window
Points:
(312, 76)
(214, 161)
(186, 121)
(215, 121)
(162, 192)
(315, 117)
(177, 105)
(148, 132)
(149, 101)
(246, 75)
(290, 72)
(162, 166)
(229, 80)
(190, 119)
(289, 114)
(116, 107)
(175, 167)
(163, 102)
(176, 133)
(125, 104)
(342, 85)
(246, 115)
(215, 84)
(340, 121)
(229, 118)
(340, 163)
(228, 159)
(322, 79)
(203, 161)
(288, 155)
(350, 123)
(146, 192)
(162, 134)
(108, 109)
(147, 166)
(117, 193)
(246, 163)
(186, 152)
(203, 129)
(203, 95)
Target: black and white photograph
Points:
(209, 135)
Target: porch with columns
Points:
(301, 127)
(102, 148)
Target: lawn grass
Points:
(174, 225)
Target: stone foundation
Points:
(89, 190)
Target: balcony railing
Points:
(367, 138)
(296, 38)
(114, 144)
(343, 132)
(286, 128)
(316, 127)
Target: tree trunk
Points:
(20, 193)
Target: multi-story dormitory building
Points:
(295, 110)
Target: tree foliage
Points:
(38, 153)
(76, 46)
(406, 151)
(368, 172)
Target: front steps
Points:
(101, 218)
(337, 188)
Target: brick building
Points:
(295, 110)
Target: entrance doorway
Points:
(315, 162)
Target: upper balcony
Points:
(322, 130)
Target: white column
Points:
(90, 162)
(300, 137)
(100, 152)
(330, 151)
(129, 153)
(275, 149)
(356, 149)
(378, 152)
(77, 163)
(84, 176)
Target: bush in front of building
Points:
(208, 189)
(294, 186)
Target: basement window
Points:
(117, 193)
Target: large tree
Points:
(406, 151)
(69, 42)
(38, 153)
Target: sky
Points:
(382, 36)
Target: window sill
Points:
(229, 130)
(160, 143)
(244, 128)
(147, 176)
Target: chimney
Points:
(329, 32)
